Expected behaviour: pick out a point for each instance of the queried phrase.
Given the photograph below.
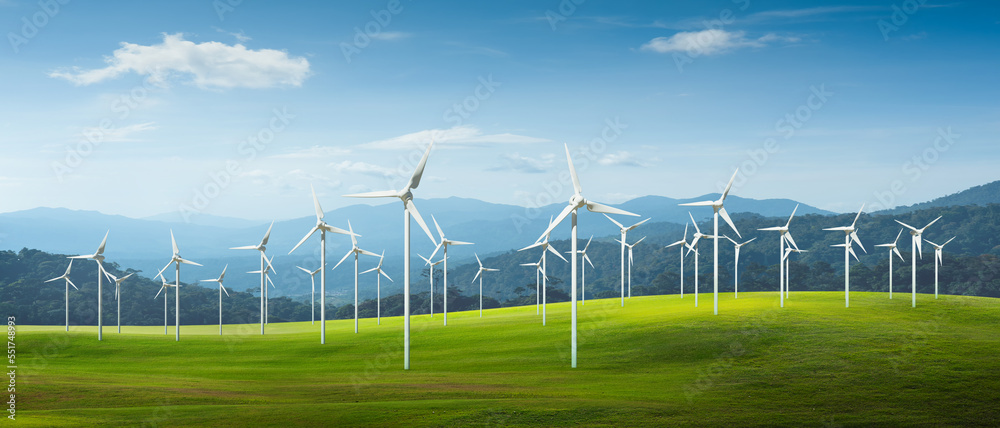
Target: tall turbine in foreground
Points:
(938, 260)
(916, 249)
(355, 250)
(322, 227)
(683, 243)
(736, 266)
(892, 249)
(624, 232)
(261, 247)
(312, 280)
(694, 247)
(431, 276)
(719, 210)
(406, 195)
(576, 202)
(445, 243)
(118, 299)
(378, 285)
(221, 290)
(68, 282)
(176, 260)
(782, 238)
(98, 257)
(850, 236)
(480, 276)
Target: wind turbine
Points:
(267, 280)
(165, 299)
(378, 285)
(892, 249)
(788, 265)
(576, 202)
(624, 231)
(736, 266)
(261, 247)
(683, 243)
(850, 235)
(546, 246)
(221, 290)
(938, 260)
(68, 282)
(176, 260)
(538, 271)
(444, 243)
(118, 282)
(406, 196)
(322, 227)
(583, 270)
(312, 279)
(719, 210)
(630, 264)
(478, 275)
(915, 249)
(785, 236)
(694, 247)
(98, 257)
(356, 251)
(431, 264)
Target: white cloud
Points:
(117, 135)
(362, 168)
(210, 65)
(517, 162)
(314, 152)
(465, 135)
(710, 42)
(390, 35)
(621, 158)
(239, 35)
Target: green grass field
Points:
(657, 361)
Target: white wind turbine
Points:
(683, 243)
(378, 285)
(163, 289)
(261, 247)
(118, 299)
(98, 257)
(355, 250)
(785, 236)
(576, 202)
(624, 232)
(583, 270)
(938, 260)
(538, 272)
(736, 266)
(68, 282)
(630, 263)
(892, 249)
(480, 276)
(719, 210)
(787, 265)
(267, 280)
(312, 279)
(406, 195)
(916, 249)
(176, 260)
(444, 243)
(694, 247)
(546, 247)
(850, 236)
(322, 227)
(221, 290)
(431, 264)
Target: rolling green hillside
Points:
(657, 361)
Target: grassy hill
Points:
(657, 361)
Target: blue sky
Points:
(663, 98)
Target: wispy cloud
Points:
(210, 65)
(240, 35)
(531, 165)
(121, 134)
(314, 152)
(362, 168)
(710, 42)
(622, 158)
(391, 35)
(458, 136)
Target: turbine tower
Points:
(176, 260)
(683, 243)
(221, 290)
(785, 236)
(444, 244)
(431, 264)
(624, 232)
(406, 196)
(893, 249)
(718, 210)
(736, 266)
(583, 271)
(480, 276)
(538, 271)
(938, 260)
(788, 265)
(355, 250)
(118, 282)
(546, 246)
(312, 279)
(98, 257)
(322, 227)
(261, 247)
(576, 202)
(630, 263)
(163, 289)
(68, 283)
(915, 249)
(378, 285)
(694, 247)
(850, 236)
(267, 280)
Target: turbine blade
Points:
(553, 251)
(696, 229)
(304, 238)
(907, 226)
(920, 249)
(428, 261)
(729, 221)
(367, 253)
(224, 290)
(731, 240)
(788, 237)
(269, 266)
(304, 270)
(247, 247)
(375, 194)
(854, 237)
(158, 292)
(769, 229)
(419, 171)
(858, 216)
(592, 238)
(187, 262)
(71, 283)
(319, 209)
(754, 239)
(572, 171)
(637, 242)
(792, 216)
(420, 220)
(369, 270)
(896, 250)
(537, 244)
(598, 207)
(615, 222)
(698, 204)
(164, 268)
(267, 235)
(851, 250)
(929, 224)
(342, 259)
(946, 242)
(459, 243)
(730, 185)
(438, 247)
(382, 272)
(894, 241)
(438, 227)
(173, 242)
(552, 225)
(100, 250)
